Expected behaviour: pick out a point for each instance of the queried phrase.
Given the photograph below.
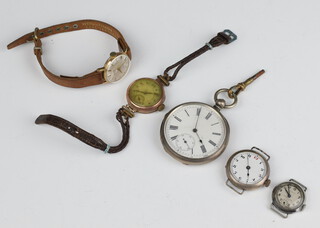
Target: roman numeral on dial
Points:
(198, 111)
(173, 127)
(208, 115)
(177, 118)
(212, 143)
(174, 137)
(203, 148)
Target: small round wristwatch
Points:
(144, 95)
(115, 68)
(248, 169)
(288, 197)
(197, 133)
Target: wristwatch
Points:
(115, 68)
(247, 170)
(288, 197)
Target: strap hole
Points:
(58, 29)
(41, 33)
(66, 27)
(49, 31)
(75, 26)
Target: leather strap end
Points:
(228, 36)
(22, 40)
(42, 119)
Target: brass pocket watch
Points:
(197, 133)
(288, 197)
(144, 95)
(247, 170)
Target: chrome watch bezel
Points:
(242, 186)
(284, 211)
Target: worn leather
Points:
(85, 136)
(93, 78)
(216, 41)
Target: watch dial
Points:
(117, 68)
(248, 167)
(145, 92)
(289, 196)
(195, 131)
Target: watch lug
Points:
(234, 188)
(293, 180)
(261, 151)
(101, 69)
(282, 214)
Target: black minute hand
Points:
(198, 114)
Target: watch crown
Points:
(267, 183)
(113, 54)
(161, 107)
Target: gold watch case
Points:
(146, 95)
(116, 67)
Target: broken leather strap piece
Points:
(94, 78)
(224, 37)
(85, 136)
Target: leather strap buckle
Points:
(37, 42)
(35, 34)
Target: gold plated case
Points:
(237, 185)
(116, 67)
(146, 95)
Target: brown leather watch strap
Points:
(85, 136)
(94, 78)
(224, 37)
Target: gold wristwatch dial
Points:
(145, 92)
(116, 67)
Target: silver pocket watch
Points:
(248, 169)
(288, 197)
(197, 133)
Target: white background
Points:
(49, 179)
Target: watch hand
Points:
(248, 168)
(287, 191)
(198, 113)
(198, 135)
(142, 91)
(186, 143)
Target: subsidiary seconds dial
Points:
(194, 133)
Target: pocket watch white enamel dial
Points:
(248, 169)
(194, 132)
(197, 133)
(288, 197)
